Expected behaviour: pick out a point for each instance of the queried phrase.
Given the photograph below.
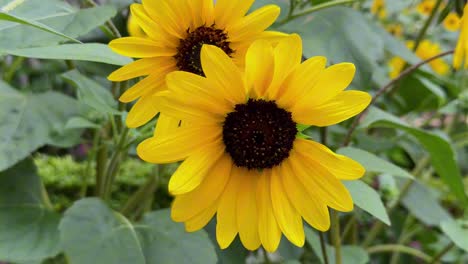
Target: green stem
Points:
(323, 246)
(45, 197)
(109, 24)
(335, 222)
(315, 9)
(114, 164)
(408, 222)
(423, 31)
(8, 76)
(348, 227)
(399, 248)
(441, 253)
(145, 192)
(101, 162)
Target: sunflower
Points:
(378, 8)
(176, 31)
(134, 29)
(396, 65)
(461, 50)
(426, 7)
(395, 29)
(244, 159)
(452, 22)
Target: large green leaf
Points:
(165, 241)
(85, 52)
(367, 199)
(92, 93)
(423, 204)
(72, 23)
(30, 121)
(90, 232)
(456, 232)
(373, 163)
(28, 230)
(349, 254)
(342, 35)
(441, 152)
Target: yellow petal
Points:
(259, 67)
(247, 214)
(165, 125)
(199, 221)
(172, 15)
(268, 229)
(182, 109)
(140, 47)
(321, 183)
(289, 220)
(202, 12)
(253, 24)
(343, 106)
(142, 67)
(218, 67)
(288, 55)
(191, 204)
(226, 227)
(330, 83)
(228, 11)
(272, 36)
(305, 75)
(340, 166)
(141, 113)
(312, 209)
(177, 145)
(151, 27)
(148, 86)
(193, 170)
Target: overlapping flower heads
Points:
(243, 157)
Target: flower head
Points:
(378, 8)
(426, 7)
(134, 29)
(461, 50)
(243, 159)
(452, 22)
(176, 31)
(395, 29)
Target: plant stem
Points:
(423, 31)
(348, 227)
(408, 222)
(109, 24)
(315, 9)
(101, 162)
(323, 246)
(45, 197)
(385, 89)
(335, 222)
(143, 193)
(399, 248)
(114, 164)
(442, 252)
(8, 76)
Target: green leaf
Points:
(80, 122)
(165, 241)
(234, 254)
(30, 121)
(367, 199)
(72, 23)
(373, 163)
(423, 204)
(456, 233)
(90, 232)
(32, 23)
(92, 93)
(342, 35)
(441, 152)
(84, 52)
(350, 254)
(28, 230)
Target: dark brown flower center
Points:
(188, 51)
(259, 134)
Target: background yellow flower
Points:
(461, 50)
(452, 22)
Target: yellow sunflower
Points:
(176, 31)
(395, 29)
(134, 29)
(428, 49)
(461, 50)
(396, 65)
(378, 8)
(426, 7)
(452, 22)
(243, 159)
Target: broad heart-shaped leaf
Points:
(32, 23)
(423, 204)
(90, 232)
(441, 152)
(30, 121)
(342, 35)
(91, 93)
(85, 52)
(456, 233)
(349, 254)
(373, 163)
(367, 199)
(28, 231)
(165, 241)
(73, 24)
